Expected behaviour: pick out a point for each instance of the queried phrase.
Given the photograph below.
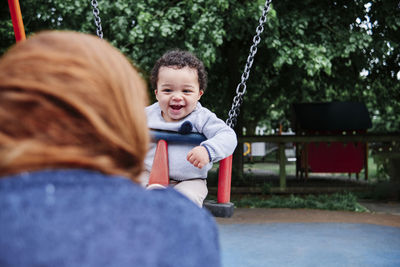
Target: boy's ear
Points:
(201, 92)
(156, 94)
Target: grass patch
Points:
(337, 201)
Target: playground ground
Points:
(257, 237)
(304, 237)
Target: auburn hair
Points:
(71, 100)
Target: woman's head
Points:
(71, 100)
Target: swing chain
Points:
(97, 19)
(241, 88)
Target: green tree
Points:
(310, 50)
(382, 82)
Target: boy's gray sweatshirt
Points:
(221, 141)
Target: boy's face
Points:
(177, 92)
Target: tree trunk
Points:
(237, 163)
(234, 77)
(250, 127)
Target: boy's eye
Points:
(187, 90)
(166, 90)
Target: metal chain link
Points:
(241, 88)
(97, 19)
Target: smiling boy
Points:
(179, 80)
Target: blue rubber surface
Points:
(309, 244)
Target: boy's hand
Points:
(198, 156)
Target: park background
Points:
(310, 51)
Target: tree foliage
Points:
(311, 51)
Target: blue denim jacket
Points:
(85, 218)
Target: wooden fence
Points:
(391, 140)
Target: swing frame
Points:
(16, 18)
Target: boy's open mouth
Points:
(176, 107)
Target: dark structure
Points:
(333, 118)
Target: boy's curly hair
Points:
(180, 59)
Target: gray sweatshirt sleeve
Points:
(221, 139)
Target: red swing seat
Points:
(160, 175)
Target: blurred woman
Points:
(73, 137)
